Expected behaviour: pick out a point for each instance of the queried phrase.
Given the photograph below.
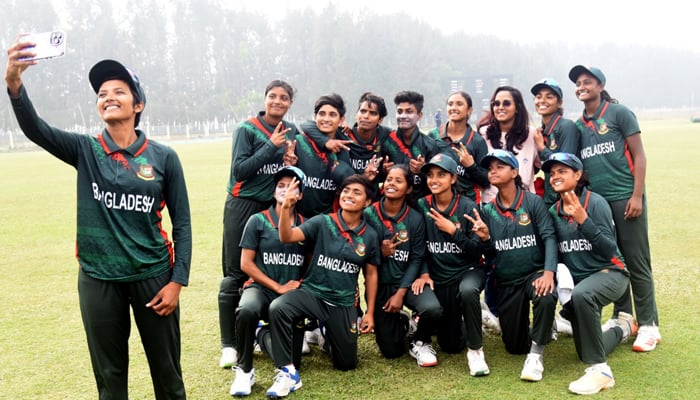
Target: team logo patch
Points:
(353, 327)
(553, 144)
(360, 250)
(524, 219)
(458, 225)
(378, 148)
(403, 235)
(602, 127)
(146, 172)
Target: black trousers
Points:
(104, 306)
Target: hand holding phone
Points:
(46, 45)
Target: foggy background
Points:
(204, 65)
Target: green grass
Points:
(43, 353)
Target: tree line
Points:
(200, 60)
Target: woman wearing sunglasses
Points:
(507, 127)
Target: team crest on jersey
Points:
(360, 249)
(458, 225)
(146, 172)
(553, 144)
(378, 148)
(524, 219)
(403, 235)
(602, 127)
(353, 327)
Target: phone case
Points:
(48, 44)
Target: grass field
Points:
(43, 354)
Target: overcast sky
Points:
(667, 23)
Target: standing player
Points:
(258, 150)
(525, 261)
(274, 268)
(401, 231)
(587, 246)
(343, 244)
(613, 155)
(557, 134)
(407, 144)
(455, 271)
(468, 145)
(126, 260)
(364, 141)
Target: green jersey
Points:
(523, 238)
(255, 160)
(560, 136)
(339, 254)
(401, 268)
(472, 178)
(449, 256)
(324, 171)
(281, 262)
(604, 151)
(121, 194)
(400, 151)
(591, 246)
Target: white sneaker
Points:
(477, 363)
(648, 337)
(243, 382)
(608, 324)
(595, 379)
(490, 321)
(305, 349)
(628, 324)
(533, 368)
(423, 353)
(284, 384)
(563, 326)
(311, 337)
(229, 357)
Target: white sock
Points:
(290, 368)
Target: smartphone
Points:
(48, 44)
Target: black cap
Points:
(110, 69)
(567, 159)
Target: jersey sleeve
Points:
(63, 145)
(251, 239)
(178, 204)
(545, 228)
(247, 159)
(598, 228)
(416, 263)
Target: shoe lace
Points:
(427, 348)
(281, 376)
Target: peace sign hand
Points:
(441, 222)
(478, 226)
(389, 245)
(572, 206)
(279, 135)
(465, 158)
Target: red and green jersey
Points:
(279, 261)
(255, 160)
(450, 256)
(472, 178)
(604, 151)
(338, 255)
(400, 151)
(324, 172)
(121, 194)
(591, 246)
(401, 268)
(523, 237)
(560, 136)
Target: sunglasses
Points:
(497, 103)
